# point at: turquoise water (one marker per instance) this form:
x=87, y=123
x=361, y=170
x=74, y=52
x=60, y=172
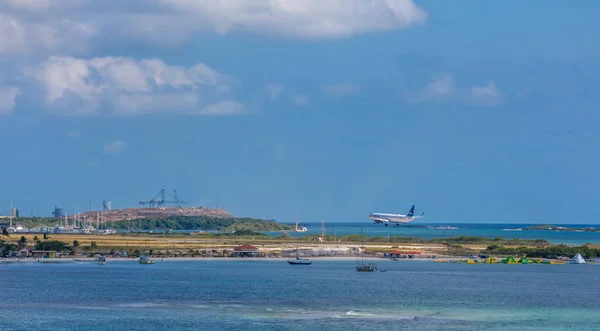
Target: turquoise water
x=423, y=230
x=272, y=295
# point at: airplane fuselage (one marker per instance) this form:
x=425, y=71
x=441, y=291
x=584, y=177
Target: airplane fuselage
x=386, y=219
x=391, y=218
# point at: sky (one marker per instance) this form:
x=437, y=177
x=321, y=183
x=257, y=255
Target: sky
x=304, y=109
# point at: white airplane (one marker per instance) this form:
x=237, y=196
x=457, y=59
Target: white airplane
x=395, y=218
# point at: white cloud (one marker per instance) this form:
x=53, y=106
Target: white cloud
x=7, y=99
x=442, y=89
x=36, y=5
x=274, y=90
x=340, y=89
x=224, y=108
x=77, y=85
x=116, y=147
x=73, y=24
x=298, y=18
x=301, y=100
x=487, y=94
x=129, y=86
x=22, y=34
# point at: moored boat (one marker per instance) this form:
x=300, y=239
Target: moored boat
x=362, y=267
x=145, y=259
x=371, y=267
x=101, y=259
x=298, y=260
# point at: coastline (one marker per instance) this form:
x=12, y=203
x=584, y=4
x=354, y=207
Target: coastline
x=254, y=259
x=196, y=258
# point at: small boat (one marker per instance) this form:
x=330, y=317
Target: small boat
x=300, y=229
x=366, y=267
x=298, y=260
x=101, y=259
x=362, y=267
x=145, y=259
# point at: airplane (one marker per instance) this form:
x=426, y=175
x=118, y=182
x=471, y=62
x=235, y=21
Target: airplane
x=395, y=218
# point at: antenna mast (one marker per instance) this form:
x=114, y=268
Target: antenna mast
x=11, y=213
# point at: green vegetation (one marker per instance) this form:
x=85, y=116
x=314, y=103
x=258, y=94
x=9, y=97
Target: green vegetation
x=459, y=240
x=552, y=251
x=243, y=233
x=54, y=245
x=202, y=223
x=549, y=227
x=176, y=223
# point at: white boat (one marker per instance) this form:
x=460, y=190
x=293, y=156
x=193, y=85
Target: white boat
x=301, y=228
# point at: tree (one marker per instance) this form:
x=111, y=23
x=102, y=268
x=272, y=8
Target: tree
x=75, y=243
x=5, y=232
x=93, y=244
x=36, y=239
x=22, y=241
x=54, y=245
x=46, y=236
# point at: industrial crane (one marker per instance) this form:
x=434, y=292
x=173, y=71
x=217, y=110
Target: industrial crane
x=160, y=199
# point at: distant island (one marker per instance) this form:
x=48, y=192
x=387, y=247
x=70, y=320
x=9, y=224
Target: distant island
x=549, y=227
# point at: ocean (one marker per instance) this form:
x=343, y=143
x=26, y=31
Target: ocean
x=269, y=294
x=430, y=231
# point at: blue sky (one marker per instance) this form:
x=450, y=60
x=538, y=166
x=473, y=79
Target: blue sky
x=485, y=112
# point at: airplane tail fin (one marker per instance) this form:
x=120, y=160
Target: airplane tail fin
x=411, y=213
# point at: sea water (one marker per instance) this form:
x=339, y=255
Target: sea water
x=423, y=230
x=269, y=294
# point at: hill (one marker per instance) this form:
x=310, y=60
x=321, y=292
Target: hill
x=129, y=214
x=205, y=223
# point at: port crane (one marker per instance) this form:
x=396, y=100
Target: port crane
x=160, y=199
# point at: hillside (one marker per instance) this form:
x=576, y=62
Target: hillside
x=129, y=214
x=205, y=223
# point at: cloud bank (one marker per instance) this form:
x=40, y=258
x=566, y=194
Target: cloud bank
x=124, y=85
x=59, y=43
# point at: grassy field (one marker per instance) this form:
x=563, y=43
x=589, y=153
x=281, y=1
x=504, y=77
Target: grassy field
x=185, y=244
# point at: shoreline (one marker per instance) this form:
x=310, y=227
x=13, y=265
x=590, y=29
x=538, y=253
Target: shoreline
x=253, y=259
x=200, y=258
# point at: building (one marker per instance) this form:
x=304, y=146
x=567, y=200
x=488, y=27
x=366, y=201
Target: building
x=246, y=250
x=14, y=212
x=44, y=254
